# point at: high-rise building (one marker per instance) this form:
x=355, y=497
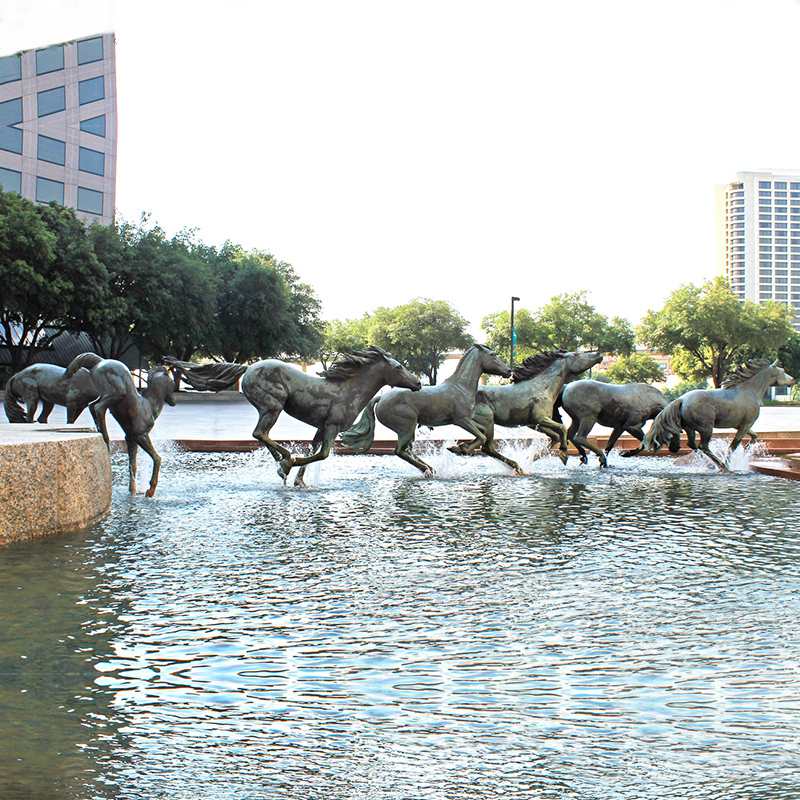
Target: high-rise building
x=762, y=237
x=58, y=125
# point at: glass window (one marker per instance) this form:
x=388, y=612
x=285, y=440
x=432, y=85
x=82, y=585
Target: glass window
x=780, y=194
x=91, y=89
x=765, y=194
x=50, y=59
x=51, y=101
x=48, y=191
x=52, y=150
x=90, y=50
x=91, y=161
x=11, y=112
x=780, y=225
x=90, y=200
x=780, y=184
x=10, y=69
x=781, y=202
x=10, y=180
x=764, y=184
x=10, y=139
x=780, y=217
x=95, y=125
x=765, y=216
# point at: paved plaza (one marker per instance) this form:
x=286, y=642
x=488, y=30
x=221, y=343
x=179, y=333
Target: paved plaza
x=228, y=415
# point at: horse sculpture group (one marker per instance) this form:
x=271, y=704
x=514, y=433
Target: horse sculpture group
x=331, y=402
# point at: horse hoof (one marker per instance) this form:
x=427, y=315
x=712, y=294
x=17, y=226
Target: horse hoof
x=300, y=483
x=150, y=492
x=428, y=473
x=563, y=456
x=519, y=472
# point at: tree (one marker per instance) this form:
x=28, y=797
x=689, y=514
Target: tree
x=419, y=334
x=708, y=330
x=567, y=320
x=304, y=337
x=50, y=278
x=342, y=336
x=635, y=368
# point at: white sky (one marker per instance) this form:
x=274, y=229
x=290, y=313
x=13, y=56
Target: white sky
x=457, y=150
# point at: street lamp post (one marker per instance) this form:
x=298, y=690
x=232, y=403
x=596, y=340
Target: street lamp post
x=513, y=331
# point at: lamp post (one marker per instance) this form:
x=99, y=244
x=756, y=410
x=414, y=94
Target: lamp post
x=513, y=331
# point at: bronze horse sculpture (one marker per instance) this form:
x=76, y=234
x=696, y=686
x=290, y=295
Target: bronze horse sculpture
x=136, y=413
x=330, y=402
x=47, y=383
x=736, y=405
x=529, y=400
x=622, y=407
x=449, y=403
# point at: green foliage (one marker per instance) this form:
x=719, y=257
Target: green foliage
x=50, y=279
x=343, y=336
x=708, y=331
x=685, y=386
x=567, y=320
x=129, y=284
x=789, y=355
x=635, y=368
x=419, y=334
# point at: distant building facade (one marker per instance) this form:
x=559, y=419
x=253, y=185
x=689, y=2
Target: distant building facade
x=58, y=125
x=761, y=247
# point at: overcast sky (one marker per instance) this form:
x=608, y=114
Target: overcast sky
x=457, y=150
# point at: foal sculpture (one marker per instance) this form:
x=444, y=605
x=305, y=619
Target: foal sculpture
x=622, y=407
x=737, y=405
x=449, y=403
x=528, y=401
x=47, y=383
x=136, y=413
x=330, y=403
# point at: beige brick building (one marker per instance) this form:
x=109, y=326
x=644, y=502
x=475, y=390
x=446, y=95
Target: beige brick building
x=58, y=125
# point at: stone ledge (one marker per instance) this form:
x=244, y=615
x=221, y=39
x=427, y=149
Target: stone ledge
x=53, y=479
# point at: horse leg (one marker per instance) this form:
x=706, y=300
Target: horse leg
x=612, y=440
x=324, y=435
x=146, y=445
x=584, y=429
x=31, y=403
x=490, y=449
x=47, y=407
x=266, y=420
x=753, y=437
x=573, y=429
x=74, y=410
x=469, y=425
x=690, y=438
x=403, y=449
x=546, y=424
x=133, y=449
x=98, y=410
x=705, y=439
x=637, y=433
x=675, y=443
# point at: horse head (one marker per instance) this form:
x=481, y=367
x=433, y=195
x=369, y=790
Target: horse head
x=395, y=374
x=160, y=384
x=780, y=377
x=581, y=361
x=491, y=363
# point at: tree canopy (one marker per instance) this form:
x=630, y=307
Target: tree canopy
x=708, y=330
x=567, y=320
x=635, y=368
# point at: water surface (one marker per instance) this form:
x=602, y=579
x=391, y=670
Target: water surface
x=576, y=633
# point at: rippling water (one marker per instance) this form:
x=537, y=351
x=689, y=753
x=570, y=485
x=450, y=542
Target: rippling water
x=583, y=634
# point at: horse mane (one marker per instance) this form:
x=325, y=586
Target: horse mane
x=352, y=363
x=753, y=366
x=535, y=365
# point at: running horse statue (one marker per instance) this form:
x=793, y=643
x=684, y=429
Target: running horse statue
x=736, y=405
x=330, y=402
x=47, y=383
x=529, y=400
x=136, y=413
x=450, y=403
x=621, y=407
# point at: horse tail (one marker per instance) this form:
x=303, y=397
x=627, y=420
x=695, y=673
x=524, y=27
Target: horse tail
x=207, y=377
x=361, y=435
x=558, y=402
x=666, y=425
x=84, y=360
x=13, y=407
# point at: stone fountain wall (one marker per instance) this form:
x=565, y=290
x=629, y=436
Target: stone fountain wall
x=53, y=479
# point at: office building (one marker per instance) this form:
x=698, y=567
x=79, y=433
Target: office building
x=762, y=237
x=58, y=125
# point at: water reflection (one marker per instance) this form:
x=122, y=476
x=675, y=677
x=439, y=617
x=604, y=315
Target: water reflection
x=572, y=634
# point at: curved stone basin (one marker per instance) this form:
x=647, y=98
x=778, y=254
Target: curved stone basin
x=53, y=479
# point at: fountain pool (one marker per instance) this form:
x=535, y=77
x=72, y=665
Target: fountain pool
x=576, y=633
